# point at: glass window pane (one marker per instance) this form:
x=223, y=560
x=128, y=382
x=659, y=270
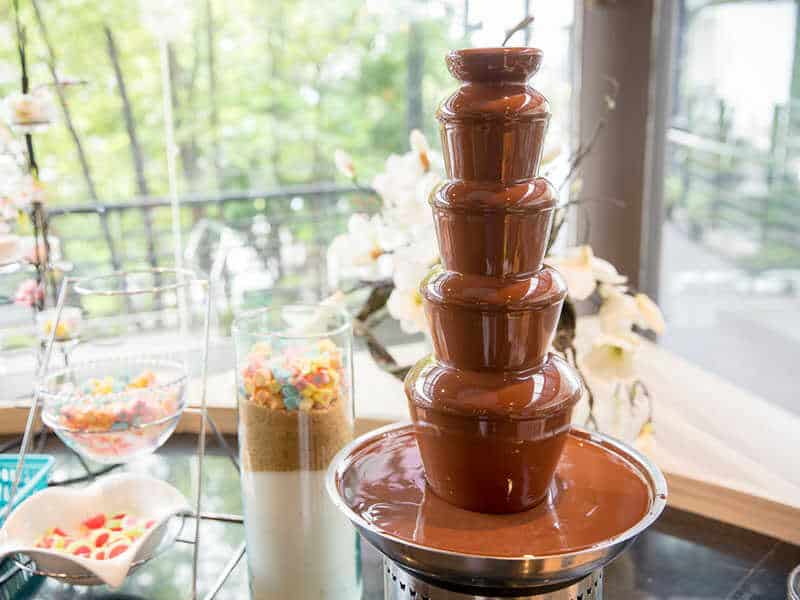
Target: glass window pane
x=261, y=95
x=731, y=240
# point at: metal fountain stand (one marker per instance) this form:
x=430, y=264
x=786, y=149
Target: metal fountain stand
x=185, y=278
x=414, y=571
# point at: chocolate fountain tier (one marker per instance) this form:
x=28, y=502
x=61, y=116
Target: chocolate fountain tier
x=492, y=229
x=485, y=323
x=491, y=440
x=494, y=395
x=493, y=127
x=603, y=495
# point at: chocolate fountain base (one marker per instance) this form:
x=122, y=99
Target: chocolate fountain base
x=402, y=585
x=604, y=494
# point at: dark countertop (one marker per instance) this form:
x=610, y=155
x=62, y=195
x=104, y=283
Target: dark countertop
x=682, y=556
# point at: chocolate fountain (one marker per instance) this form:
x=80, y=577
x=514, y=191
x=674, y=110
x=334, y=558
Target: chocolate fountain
x=490, y=493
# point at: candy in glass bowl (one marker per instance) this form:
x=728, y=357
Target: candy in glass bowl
x=114, y=410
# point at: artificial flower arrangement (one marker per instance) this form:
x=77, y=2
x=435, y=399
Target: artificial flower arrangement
x=389, y=253
x=22, y=195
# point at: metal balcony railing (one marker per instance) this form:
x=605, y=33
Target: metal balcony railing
x=287, y=230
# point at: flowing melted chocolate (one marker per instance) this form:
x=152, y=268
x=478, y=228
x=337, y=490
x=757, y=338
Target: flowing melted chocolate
x=485, y=323
x=491, y=439
x=492, y=307
x=595, y=495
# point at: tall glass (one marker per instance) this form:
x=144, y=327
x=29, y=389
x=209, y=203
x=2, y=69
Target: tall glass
x=295, y=399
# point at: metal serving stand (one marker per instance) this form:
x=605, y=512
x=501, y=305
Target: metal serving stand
x=185, y=278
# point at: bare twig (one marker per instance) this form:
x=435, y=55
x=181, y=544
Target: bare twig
x=377, y=299
x=378, y=351
x=561, y=216
x=23, y=63
x=62, y=82
x=127, y=113
x=51, y=65
x=583, y=149
x=38, y=220
x=518, y=27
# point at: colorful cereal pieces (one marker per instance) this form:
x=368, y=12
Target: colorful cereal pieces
x=102, y=537
x=295, y=378
x=100, y=554
x=79, y=548
x=115, y=417
x=55, y=538
x=95, y=522
x=117, y=549
x=146, y=379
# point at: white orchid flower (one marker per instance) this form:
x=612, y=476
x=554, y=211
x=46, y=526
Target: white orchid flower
x=29, y=112
x=405, y=302
x=612, y=358
x=11, y=182
x=419, y=145
x=620, y=312
x=344, y=163
x=583, y=270
x=364, y=250
x=30, y=190
x=650, y=314
x=404, y=187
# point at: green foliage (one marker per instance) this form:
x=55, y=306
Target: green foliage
x=293, y=83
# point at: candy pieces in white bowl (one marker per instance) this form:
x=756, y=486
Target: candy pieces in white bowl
x=154, y=502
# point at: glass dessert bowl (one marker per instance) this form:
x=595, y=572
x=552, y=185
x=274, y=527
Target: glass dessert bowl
x=114, y=410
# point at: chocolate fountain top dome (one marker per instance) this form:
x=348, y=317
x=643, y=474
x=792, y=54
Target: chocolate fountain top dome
x=494, y=64
x=494, y=85
x=493, y=126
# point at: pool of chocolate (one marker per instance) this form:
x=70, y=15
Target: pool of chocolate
x=597, y=494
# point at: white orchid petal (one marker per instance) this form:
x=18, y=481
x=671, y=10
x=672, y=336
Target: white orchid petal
x=651, y=316
x=417, y=141
x=344, y=163
x=612, y=359
x=580, y=282
x=605, y=272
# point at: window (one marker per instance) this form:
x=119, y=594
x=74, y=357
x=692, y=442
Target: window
x=730, y=260
x=261, y=96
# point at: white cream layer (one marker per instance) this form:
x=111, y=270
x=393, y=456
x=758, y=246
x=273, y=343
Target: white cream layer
x=299, y=546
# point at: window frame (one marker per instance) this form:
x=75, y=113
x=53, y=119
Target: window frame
x=623, y=177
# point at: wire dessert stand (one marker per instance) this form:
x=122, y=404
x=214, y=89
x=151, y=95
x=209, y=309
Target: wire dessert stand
x=189, y=300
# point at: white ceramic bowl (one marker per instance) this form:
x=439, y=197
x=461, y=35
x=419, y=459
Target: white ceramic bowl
x=68, y=507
